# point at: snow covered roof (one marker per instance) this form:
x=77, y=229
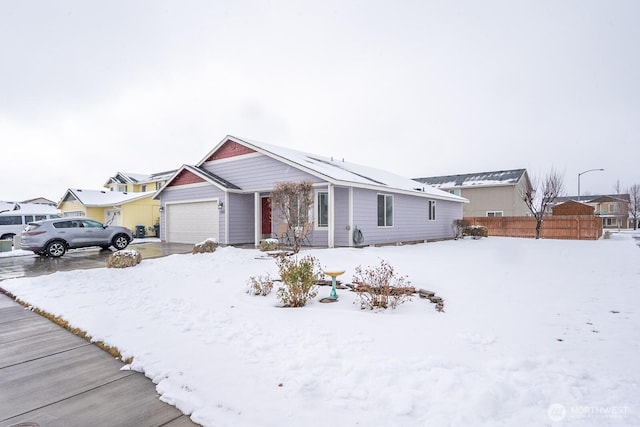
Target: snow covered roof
x=136, y=178
x=104, y=197
x=27, y=208
x=597, y=198
x=212, y=177
x=504, y=177
x=340, y=172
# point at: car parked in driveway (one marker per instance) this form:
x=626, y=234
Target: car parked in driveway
x=54, y=237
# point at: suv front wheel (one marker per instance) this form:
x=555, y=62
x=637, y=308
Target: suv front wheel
x=56, y=249
x=120, y=241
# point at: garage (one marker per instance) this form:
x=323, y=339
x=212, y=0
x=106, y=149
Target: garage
x=192, y=222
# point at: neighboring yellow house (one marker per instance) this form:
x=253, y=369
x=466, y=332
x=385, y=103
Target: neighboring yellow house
x=125, y=182
x=131, y=210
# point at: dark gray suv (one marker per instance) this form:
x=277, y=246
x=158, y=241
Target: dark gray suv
x=54, y=236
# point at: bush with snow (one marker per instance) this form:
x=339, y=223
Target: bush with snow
x=381, y=287
x=124, y=258
x=299, y=279
x=459, y=227
x=269, y=245
x=260, y=285
x=476, y=231
x=206, y=246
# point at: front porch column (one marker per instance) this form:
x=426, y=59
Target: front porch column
x=351, y=226
x=257, y=214
x=332, y=226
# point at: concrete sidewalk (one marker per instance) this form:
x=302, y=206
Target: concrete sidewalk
x=50, y=377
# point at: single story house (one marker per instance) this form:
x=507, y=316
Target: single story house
x=495, y=193
x=226, y=195
x=131, y=210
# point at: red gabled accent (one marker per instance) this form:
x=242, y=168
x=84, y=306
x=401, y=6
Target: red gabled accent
x=229, y=149
x=185, y=177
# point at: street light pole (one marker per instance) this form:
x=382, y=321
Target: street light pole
x=582, y=173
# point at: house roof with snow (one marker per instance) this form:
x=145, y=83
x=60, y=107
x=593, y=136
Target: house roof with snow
x=597, y=198
x=99, y=198
x=479, y=179
x=336, y=171
x=27, y=208
x=137, y=178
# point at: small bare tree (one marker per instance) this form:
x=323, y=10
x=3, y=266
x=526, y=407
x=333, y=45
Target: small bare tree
x=617, y=187
x=540, y=195
x=634, y=204
x=293, y=201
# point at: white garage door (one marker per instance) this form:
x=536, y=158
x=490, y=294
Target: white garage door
x=192, y=222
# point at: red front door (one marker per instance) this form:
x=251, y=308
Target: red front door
x=266, y=216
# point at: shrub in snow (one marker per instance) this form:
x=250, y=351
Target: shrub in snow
x=476, y=231
x=299, y=279
x=124, y=258
x=207, y=246
x=381, y=287
x=260, y=285
x=269, y=245
x=459, y=225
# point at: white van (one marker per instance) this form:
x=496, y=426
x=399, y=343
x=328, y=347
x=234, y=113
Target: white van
x=14, y=217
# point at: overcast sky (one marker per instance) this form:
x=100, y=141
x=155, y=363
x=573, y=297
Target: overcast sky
x=420, y=88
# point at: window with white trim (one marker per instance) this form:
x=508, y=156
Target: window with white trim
x=122, y=188
x=385, y=210
x=322, y=209
x=432, y=210
x=495, y=213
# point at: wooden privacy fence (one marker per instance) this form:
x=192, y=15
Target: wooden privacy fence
x=573, y=227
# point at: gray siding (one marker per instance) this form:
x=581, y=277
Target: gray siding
x=411, y=221
x=189, y=193
x=257, y=172
x=410, y=218
x=241, y=218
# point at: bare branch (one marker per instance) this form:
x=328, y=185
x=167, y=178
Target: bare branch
x=540, y=195
x=293, y=201
x=634, y=204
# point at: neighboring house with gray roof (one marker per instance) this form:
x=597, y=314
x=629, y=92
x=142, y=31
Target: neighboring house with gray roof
x=613, y=209
x=127, y=182
x=226, y=195
x=497, y=193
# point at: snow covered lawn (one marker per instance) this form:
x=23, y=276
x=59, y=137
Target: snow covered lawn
x=534, y=333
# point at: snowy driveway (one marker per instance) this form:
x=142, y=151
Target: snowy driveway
x=30, y=265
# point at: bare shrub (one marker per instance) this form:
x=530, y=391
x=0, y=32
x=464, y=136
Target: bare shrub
x=299, y=278
x=123, y=259
x=381, y=287
x=292, y=202
x=207, y=246
x=458, y=228
x=260, y=285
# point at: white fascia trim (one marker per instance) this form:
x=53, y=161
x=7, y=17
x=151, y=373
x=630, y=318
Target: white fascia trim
x=230, y=159
x=181, y=202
